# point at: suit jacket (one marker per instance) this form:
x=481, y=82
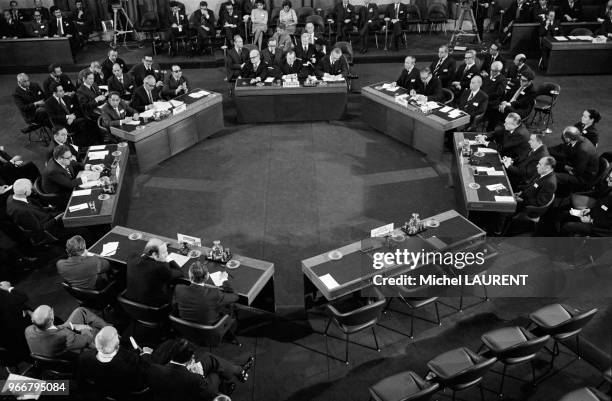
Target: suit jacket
x=402, y=15
x=148, y=281
x=235, y=60
x=223, y=14
x=305, y=56
x=139, y=72
x=181, y=21
x=551, y=30
x=475, y=106
x=575, y=11
x=99, y=78
x=338, y=67
x=107, y=67
x=495, y=90
x=57, y=113
x=173, y=382
x=56, y=180
x=445, y=71
x=249, y=70
x=583, y=158
x=125, y=89
x=589, y=133
x=88, y=272
x=275, y=59
x=488, y=60
x=606, y=27
x=30, y=215
x=527, y=168
x=539, y=190
x=464, y=75
x=11, y=29
x=198, y=19
x=87, y=99
x=538, y=14
x=297, y=68
x=50, y=82
x=19, y=15
x=410, y=80
x=368, y=13
x=524, y=14
x=56, y=342
x=12, y=305
x=339, y=13
x=35, y=29
x=204, y=304
x=140, y=99
x=432, y=89
x=522, y=104
x=75, y=152
x=110, y=118
x=515, y=145
x=44, y=12
x=601, y=213
x=514, y=75
x=25, y=98
x=170, y=85
x=66, y=23
x=123, y=374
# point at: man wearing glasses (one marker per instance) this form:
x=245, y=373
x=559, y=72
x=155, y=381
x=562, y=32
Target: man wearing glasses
x=175, y=84
x=254, y=69
x=144, y=69
x=491, y=57
x=146, y=95
x=520, y=100
x=465, y=73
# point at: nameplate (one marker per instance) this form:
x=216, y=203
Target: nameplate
x=179, y=109
x=381, y=231
x=600, y=39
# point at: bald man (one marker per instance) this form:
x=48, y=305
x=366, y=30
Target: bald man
x=146, y=95
x=254, y=69
x=149, y=274
x=410, y=78
x=30, y=100
x=76, y=334
x=474, y=101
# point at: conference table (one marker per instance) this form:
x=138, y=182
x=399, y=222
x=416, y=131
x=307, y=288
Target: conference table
x=475, y=176
x=353, y=271
x=199, y=116
x=94, y=206
x=526, y=36
x=35, y=52
x=569, y=55
x=387, y=111
x=248, y=280
x=270, y=102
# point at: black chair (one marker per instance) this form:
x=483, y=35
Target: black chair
x=149, y=316
x=602, y=173
x=413, y=304
x=405, y=386
x=355, y=320
x=460, y=369
x=317, y=21
x=42, y=133
x=150, y=26
x=530, y=215
x=546, y=98
x=50, y=199
x=202, y=334
x=414, y=18
x=530, y=109
x=303, y=13
x=585, y=394
x=94, y=299
x=513, y=346
x=449, y=96
x=38, y=238
x=59, y=368
x=437, y=16
x=562, y=323
x=581, y=32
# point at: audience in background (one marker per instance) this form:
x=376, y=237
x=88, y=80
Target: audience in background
x=203, y=20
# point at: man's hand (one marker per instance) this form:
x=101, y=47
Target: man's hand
x=205, y=28
x=586, y=219
x=100, y=98
x=135, y=117
x=159, y=83
x=484, y=74
x=174, y=25
x=394, y=20
x=346, y=21
x=39, y=103
x=5, y=285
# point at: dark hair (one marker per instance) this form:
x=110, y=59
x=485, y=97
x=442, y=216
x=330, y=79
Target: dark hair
x=181, y=351
x=286, y=3
x=594, y=114
x=112, y=93
x=550, y=161
x=52, y=67
x=54, y=86
x=203, y=3
x=57, y=128
x=88, y=73
x=59, y=150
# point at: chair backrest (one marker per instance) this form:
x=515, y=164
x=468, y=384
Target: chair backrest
x=436, y=11
x=414, y=12
x=537, y=211
x=51, y=198
x=366, y=314
x=524, y=350
x=149, y=20
x=602, y=172
x=581, y=31
x=304, y=13
x=56, y=366
x=97, y=299
x=532, y=103
x=448, y=96
x=585, y=393
x=317, y=21
x=274, y=15
x=200, y=333
x=470, y=375
x=575, y=324
x=149, y=315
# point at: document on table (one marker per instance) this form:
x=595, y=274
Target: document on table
x=576, y=212
x=176, y=103
x=218, y=278
x=329, y=281
x=433, y=105
x=504, y=198
x=446, y=109
x=496, y=187
x=81, y=192
x=454, y=113
x=178, y=258
x=495, y=172
x=561, y=38
x=147, y=113
x=486, y=150
x=97, y=147
x=269, y=80
x=78, y=207
x=109, y=249
x=133, y=122
x=91, y=175
x=198, y=94
x=90, y=184
x=99, y=155
x=32, y=393
x=485, y=169
x=162, y=105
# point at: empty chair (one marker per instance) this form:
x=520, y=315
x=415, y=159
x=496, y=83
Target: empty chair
x=48, y=198
x=95, y=299
x=405, y=386
x=150, y=26
x=414, y=17
x=585, y=394
x=581, y=32
x=303, y=13
x=207, y=335
x=513, y=346
x=460, y=369
x=414, y=303
x=56, y=368
x=148, y=316
x=436, y=16
x=546, y=98
x=317, y=21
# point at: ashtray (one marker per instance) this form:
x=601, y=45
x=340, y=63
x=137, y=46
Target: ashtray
x=98, y=168
x=432, y=223
x=398, y=237
x=335, y=255
x=259, y=84
x=122, y=144
x=194, y=253
x=116, y=153
x=479, y=154
x=103, y=197
x=135, y=236
x=232, y=264
x=474, y=185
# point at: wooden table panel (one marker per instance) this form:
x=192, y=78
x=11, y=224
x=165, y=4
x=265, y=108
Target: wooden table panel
x=576, y=57
x=35, y=52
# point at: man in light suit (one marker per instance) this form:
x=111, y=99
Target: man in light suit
x=473, y=101
x=116, y=112
x=175, y=84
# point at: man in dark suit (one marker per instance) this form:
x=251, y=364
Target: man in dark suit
x=304, y=50
x=517, y=68
x=84, y=22
x=410, y=77
x=62, y=111
x=271, y=55
x=109, y=62
x=465, y=73
x=443, y=67
x=579, y=165
x=294, y=66
x=30, y=100
x=179, y=24
x=525, y=169
x=145, y=95
x=518, y=12
x=10, y=28
x=90, y=97
x=53, y=341
x=511, y=140
x=571, y=10
x=431, y=87
x=254, y=69
x=14, y=318
x=519, y=100
x=13, y=168
x=203, y=20
x=150, y=275
x=57, y=77
x=116, y=112
x=175, y=84
x=549, y=28
x=595, y=219
x=492, y=56
x=540, y=11
x=494, y=85
x=539, y=190
x=38, y=27
x=473, y=101
x=121, y=83
x=344, y=17
x=44, y=11
x=82, y=269
x=231, y=21
x=201, y=301
x=223, y=12
x=96, y=69
x=61, y=137
x=398, y=14
x=144, y=69
x=333, y=64
x=62, y=27
x=237, y=57
x=368, y=22
x=60, y=175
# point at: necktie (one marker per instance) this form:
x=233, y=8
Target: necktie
x=60, y=28
x=150, y=98
x=121, y=79
x=396, y=11
x=471, y=96
x=178, y=22
x=117, y=111
x=438, y=66
x=63, y=105
x=305, y=49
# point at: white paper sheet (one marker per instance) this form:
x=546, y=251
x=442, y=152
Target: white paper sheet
x=176, y=103
x=78, y=207
x=495, y=172
x=495, y=187
x=329, y=281
x=576, y=212
x=433, y=105
x=98, y=155
x=504, y=199
x=269, y=80
x=91, y=175
x=484, y=169
x=162, y=105
x=147, y=113
x=81, y=192
x=103, y=87
x=218, y=278
x=198, y=94
x=446, y=109
x=97, y=147
x=561, y=38
x=178, y=258
x=90, y=184
x=133, y=122
x=109, y=249
x=486, y=150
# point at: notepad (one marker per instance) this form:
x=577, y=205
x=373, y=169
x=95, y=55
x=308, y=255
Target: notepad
x=81, y=192
x=446, y=109
x=486, y=150
x=178, y=258
x=329, y=281
x=561, y=38
x=269, y=80
x=504, y=199
x=496, y=187
x=576, y=212
x=218, y=278
x=162, y=105
x=109, y=249
x=97, y=147
x=100, y=155
x=198, y=94
x=495, y=172
x=78, y=207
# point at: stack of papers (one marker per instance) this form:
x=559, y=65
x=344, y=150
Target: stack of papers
x=198, y=94
x=496, y=187
x=486, y=150
x=98, y=155
x=109, y=249
x=81, y=192
x=91, y=175
x=78, y=207
x=176, y=103
x=162, y=105
x=454, y=113
x=178, y=258
x=446, y=109
x=329, y=281
x=433, y=105
x=218, y=278
x=390, y=87
x=504, y=198
x=147, y=113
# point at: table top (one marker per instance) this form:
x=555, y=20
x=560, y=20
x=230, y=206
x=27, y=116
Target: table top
x=354, y=271
x=480, y=197
x=105, y=210
x=135, y=133
x=572, y=43
x=436, y=118
x=245, y=88
x=248, y=279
